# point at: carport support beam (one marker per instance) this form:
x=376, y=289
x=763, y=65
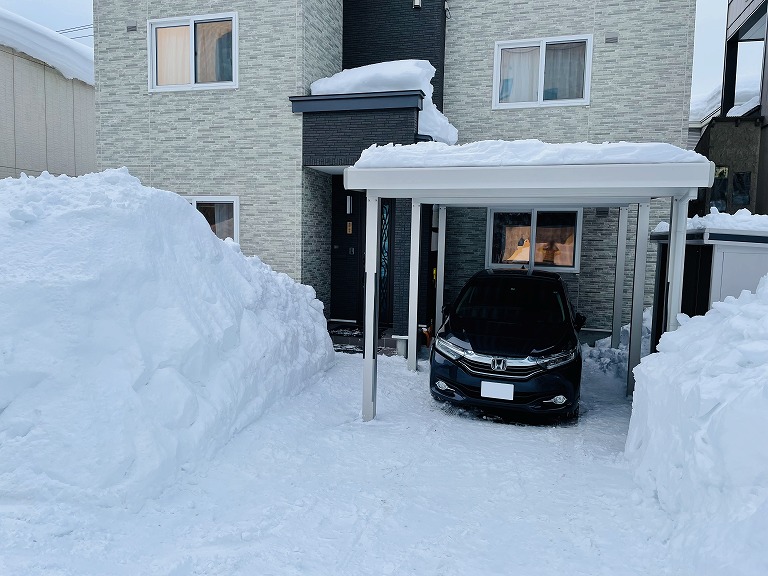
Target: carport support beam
x=413, y=286
x=440, y=287
x=372, y=264
x=618, y=284
x=676, y=260
x=638, y=292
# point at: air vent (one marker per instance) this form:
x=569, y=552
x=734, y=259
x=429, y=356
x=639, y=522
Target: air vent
x=611, y=38
x=131, y=27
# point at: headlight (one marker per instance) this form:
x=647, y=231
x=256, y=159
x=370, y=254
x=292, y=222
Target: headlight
x=555, y=360
x=452, y=351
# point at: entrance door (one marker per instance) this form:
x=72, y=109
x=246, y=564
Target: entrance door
x=347, y=237
x=347, y=256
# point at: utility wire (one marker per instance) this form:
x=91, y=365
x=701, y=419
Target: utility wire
x=75, y=28
x=76, y=37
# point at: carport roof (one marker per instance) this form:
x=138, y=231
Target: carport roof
x=529, y=172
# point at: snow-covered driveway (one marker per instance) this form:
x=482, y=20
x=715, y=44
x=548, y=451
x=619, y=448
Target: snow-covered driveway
x=423, y=489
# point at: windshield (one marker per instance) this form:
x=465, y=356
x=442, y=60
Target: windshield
x=513, y=301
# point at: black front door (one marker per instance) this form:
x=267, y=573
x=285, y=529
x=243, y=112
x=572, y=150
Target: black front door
x=347, y=256
x=347, y=241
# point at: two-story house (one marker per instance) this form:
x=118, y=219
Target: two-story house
x=192, y=96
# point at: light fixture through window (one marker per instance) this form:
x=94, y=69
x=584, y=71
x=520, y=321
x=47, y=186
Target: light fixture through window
x=417, y=3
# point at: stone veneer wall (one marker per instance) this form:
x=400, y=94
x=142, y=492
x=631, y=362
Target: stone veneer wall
x=640, y=91
x=241, y=142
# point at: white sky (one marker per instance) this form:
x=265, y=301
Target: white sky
x=708, y=49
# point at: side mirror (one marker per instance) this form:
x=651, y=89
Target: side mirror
x=578, y=321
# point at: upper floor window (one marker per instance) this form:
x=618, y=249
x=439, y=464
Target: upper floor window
x=546, y=72
x=193, y=53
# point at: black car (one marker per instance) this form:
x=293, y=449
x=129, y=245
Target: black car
x=509, y=343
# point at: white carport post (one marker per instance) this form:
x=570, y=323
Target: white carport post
x=638, y=292
x=618, y=284
x=676, y=259
x=440, y=281
x=413, y=286
x=372, y=264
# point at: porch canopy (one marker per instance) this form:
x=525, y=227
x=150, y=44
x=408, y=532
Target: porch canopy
x=525, y=173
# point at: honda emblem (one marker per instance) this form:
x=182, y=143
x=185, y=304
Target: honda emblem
x=499, y=364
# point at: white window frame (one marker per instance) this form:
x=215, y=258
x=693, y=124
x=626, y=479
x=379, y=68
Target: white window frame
x=533, y=212
x=542, y=44
x=235, y=200
x=190, y=21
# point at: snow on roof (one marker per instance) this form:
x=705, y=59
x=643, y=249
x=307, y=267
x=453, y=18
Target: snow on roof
x=72, y=59
x=715, y=220
x=706, y=105
x=390, y=76
x=742, y=109
x=521, y=153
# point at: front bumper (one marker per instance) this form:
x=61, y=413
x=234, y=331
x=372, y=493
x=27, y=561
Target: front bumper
x=530, y=395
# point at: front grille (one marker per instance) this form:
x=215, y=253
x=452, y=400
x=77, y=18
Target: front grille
x=481, y=366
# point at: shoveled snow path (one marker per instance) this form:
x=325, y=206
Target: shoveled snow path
x=423, y=489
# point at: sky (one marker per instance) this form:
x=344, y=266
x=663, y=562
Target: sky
x=708, y=44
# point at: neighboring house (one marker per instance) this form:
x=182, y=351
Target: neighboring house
x=47, y=114
x=732, y=123
x=192, y=97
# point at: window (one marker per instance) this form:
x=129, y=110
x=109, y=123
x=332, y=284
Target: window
x=742, y=183
x=554, y=234
x=193, y=53
x=547, y=72
x=222, y=214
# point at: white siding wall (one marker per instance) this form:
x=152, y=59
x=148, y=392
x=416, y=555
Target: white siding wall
x=46, y=121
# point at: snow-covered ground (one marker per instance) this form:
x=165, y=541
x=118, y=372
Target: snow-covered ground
x=423, y=489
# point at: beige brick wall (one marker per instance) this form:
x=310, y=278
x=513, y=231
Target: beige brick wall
x=243, y=142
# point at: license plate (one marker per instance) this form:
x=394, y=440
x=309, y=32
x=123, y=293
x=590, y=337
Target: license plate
x=497, y=390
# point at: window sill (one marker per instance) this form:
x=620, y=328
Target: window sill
x=548, y=104
x=195, y=87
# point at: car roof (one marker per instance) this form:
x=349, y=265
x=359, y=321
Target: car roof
x=517, y=273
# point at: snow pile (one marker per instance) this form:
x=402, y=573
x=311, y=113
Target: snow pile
x=742, y=109
x=392, y=76
x=698, y=429
x=521, y=153
x=706, y=104
x=614, y=361
x=71, y=58
x=134, y=342
x=742, y=220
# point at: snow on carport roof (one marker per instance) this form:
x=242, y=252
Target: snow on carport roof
x=72, y=59
x=495, y=172
x=522, y=153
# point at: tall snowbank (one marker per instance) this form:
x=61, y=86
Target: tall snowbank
x=72, y=59
x=391, y=76
x=697, y=434
x=134, y=342
x=521, y=153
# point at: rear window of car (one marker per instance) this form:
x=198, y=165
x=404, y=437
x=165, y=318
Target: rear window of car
x=512, y=300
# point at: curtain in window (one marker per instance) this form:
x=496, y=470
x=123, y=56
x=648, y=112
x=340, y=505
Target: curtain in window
x=564, y=68
x=519, y=76
x=225, y=220
x=213, y=51
x=172, y=54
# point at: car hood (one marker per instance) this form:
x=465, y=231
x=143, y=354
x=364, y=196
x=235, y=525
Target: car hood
x=505, y=339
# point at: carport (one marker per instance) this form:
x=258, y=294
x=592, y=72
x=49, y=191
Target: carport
x=566, y=177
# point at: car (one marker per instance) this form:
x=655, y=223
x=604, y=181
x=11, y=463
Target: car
x=510, y=344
